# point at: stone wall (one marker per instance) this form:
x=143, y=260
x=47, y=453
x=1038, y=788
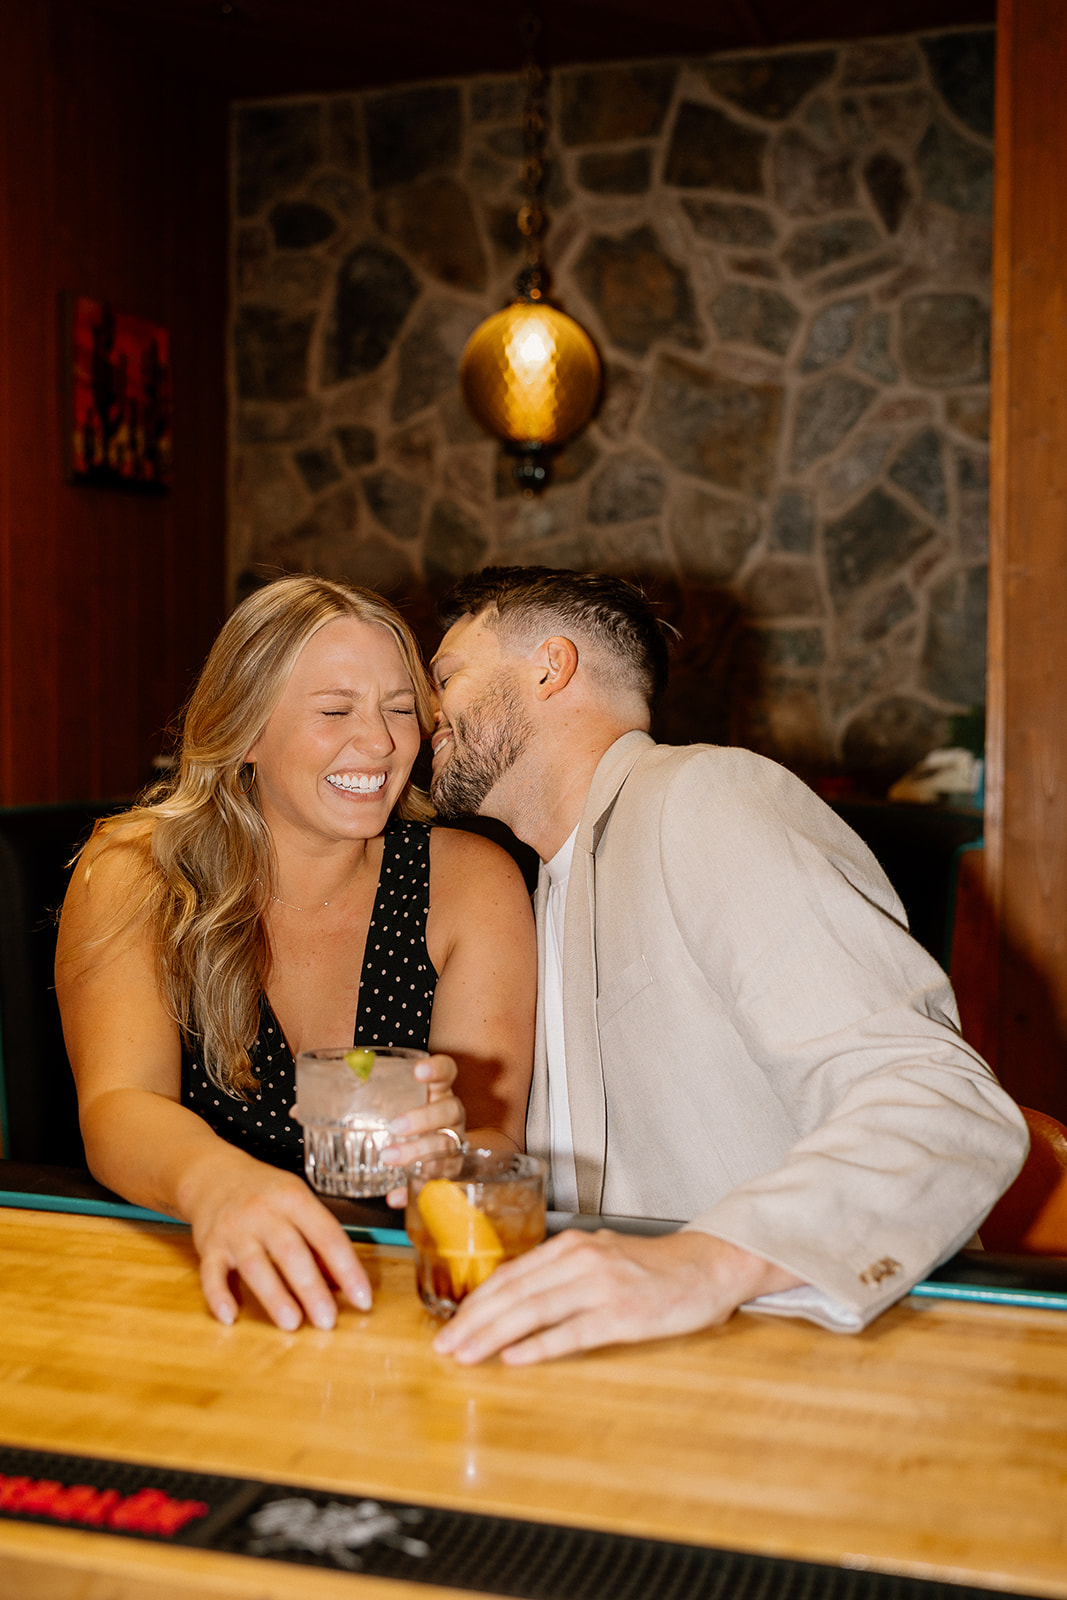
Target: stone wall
x=784, y=259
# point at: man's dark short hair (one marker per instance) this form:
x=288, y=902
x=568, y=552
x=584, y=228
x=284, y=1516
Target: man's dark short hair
x=607, y=611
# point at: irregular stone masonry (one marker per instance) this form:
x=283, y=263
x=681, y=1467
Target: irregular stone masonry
x=785, y=261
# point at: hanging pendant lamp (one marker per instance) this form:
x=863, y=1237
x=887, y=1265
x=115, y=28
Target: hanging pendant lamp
x=530, y=374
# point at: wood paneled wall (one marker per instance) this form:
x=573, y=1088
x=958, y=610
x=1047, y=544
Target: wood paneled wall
x=1026, y=821
x=113, y=183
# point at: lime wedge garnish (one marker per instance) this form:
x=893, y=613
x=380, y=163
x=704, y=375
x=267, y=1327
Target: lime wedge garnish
x=361, y=1062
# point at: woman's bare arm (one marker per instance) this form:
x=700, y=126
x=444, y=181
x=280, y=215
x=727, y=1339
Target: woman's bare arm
x=480, y=935
x=247, y=1218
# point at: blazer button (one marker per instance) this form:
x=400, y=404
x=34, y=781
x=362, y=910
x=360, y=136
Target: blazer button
x=885, y=1268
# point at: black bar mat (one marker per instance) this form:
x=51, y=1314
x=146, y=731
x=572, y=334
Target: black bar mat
x=422, y=1544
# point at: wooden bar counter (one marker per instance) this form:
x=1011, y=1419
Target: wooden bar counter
x=934, y=1444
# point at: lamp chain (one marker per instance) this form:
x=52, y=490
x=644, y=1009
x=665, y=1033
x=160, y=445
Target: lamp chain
x=530, y=374
x=531, y=215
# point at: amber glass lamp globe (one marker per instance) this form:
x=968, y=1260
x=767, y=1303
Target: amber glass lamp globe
x=530, y=374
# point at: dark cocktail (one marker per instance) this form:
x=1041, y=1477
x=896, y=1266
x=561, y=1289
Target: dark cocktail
x=468, y=1214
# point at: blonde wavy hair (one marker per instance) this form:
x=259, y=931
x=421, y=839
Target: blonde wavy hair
x=209, y=856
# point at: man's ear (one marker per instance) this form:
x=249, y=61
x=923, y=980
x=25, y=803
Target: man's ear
x=557, y=662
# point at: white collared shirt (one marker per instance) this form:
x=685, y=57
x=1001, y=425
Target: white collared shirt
x=561, y=1140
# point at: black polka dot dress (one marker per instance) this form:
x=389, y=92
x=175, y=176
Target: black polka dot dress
x=396, y=990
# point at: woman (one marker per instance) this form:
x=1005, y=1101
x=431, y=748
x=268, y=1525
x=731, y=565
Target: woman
x=221, y=926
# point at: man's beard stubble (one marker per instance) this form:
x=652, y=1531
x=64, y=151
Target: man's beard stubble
x=487, y=742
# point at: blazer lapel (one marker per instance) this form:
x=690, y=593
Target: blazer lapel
x=585, y=1076
x=538, y=1126
x=585, y=1073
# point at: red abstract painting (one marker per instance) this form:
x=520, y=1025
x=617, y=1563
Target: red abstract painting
x=121, y=429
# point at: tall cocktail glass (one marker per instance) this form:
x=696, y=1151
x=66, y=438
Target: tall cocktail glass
x=346, y=1097
x=466, y=1214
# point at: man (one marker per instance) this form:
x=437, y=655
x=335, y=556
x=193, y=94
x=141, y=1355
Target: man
x=734, y=1027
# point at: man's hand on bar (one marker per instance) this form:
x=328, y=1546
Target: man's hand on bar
x=581, y=1290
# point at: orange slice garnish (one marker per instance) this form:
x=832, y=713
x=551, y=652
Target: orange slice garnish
x=464, y=1236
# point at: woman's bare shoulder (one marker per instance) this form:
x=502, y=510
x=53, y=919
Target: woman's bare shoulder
x=114, y=865
x=479, y=904
x=474, y=884
x=470, y=858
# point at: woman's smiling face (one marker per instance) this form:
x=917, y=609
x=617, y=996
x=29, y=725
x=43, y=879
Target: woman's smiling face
x=340, y=743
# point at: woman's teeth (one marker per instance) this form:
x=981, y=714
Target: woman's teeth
x=356, y=784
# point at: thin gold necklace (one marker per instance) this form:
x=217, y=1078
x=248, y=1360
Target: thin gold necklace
x=288, y=907
x=279, y=902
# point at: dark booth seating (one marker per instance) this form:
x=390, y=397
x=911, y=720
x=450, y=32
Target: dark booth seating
x=37, y=1089
x=918, y=848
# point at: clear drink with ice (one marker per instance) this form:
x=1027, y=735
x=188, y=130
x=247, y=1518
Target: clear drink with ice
x=346, y=1098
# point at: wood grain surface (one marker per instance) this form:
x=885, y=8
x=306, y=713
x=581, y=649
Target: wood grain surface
x=935, y=1443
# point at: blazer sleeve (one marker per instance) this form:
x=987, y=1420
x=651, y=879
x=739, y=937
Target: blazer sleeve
x=906, y=1138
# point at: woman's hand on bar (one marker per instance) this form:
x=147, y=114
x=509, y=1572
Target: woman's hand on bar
x=266, y=1227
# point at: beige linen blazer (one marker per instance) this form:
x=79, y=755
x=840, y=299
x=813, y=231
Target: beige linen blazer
x=755, y=1044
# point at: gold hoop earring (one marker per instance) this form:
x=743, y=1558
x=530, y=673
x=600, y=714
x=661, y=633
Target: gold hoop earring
x=237, y=777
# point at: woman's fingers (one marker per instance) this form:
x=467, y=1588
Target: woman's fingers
x=215, y=1282
x=275, y=1241
x=447, y=1112
x=259, y=1273
x=417, y=1134
x=333, y=1247
x=413, y=1133
x=438, y=1073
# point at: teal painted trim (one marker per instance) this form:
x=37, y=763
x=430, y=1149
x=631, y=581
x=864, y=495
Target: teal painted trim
x=85, y=1208
x=18, y=1201
x=379, y=1236
x=1036, y=1299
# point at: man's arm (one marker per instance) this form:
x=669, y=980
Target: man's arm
x=905, y=1137
x=581, y=1290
